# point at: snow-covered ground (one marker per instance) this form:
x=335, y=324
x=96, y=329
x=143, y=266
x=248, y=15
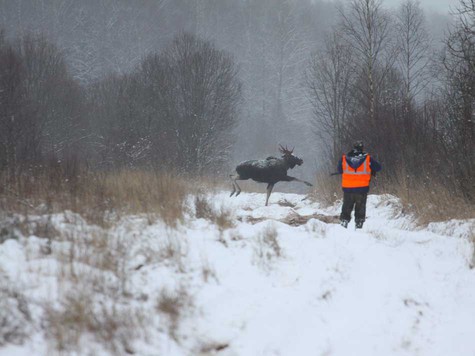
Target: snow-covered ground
x=271, y=284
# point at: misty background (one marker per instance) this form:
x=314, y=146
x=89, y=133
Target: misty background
x=197, y=86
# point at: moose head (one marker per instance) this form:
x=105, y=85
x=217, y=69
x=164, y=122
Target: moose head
x=289, y=158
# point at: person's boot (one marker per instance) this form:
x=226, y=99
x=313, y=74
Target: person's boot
x=359, y=224
x=344, y=223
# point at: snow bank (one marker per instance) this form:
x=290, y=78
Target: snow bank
x=283, y=280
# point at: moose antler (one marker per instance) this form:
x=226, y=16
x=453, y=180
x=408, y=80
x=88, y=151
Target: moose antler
x=285, y=150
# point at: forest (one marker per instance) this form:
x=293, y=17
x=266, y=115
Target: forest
x=193, y=87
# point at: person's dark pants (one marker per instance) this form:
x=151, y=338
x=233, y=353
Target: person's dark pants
x=356, y=200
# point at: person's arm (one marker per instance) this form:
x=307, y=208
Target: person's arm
x=339, y=168
x=375, y=166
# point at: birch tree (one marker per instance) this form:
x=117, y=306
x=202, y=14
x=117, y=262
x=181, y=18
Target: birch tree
x=413, y=43
x=367, y=29
x=459, y=63
x=330, y=79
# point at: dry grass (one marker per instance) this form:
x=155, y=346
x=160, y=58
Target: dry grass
x=208, y=272
x=114, y=326
x=7, y=230
x=327, y=189
x=269, y=237
x=210, y=183
x=174, y=305
x=267, y=247
x=221, y=217
x=212, y=348
x=14, y=313
x=96, y=297
x=317, y=228
x=97, y=196
x=174, y=251
x=95, y=300
x=203, y=209
x=429, y=201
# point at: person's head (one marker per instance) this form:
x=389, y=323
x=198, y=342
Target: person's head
x=358, y=146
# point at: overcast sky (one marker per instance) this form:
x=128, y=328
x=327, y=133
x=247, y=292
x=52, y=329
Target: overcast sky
x=442, y=6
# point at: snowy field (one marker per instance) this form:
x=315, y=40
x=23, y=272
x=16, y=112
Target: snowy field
x=252, y=280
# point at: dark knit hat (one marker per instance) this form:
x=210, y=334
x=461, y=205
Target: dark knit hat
x=358, y=145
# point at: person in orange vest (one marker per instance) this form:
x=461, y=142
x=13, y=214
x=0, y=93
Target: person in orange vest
x=356, y=168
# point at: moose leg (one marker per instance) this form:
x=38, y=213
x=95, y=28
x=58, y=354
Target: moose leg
x=290, y=179
x=234, y=178
x=232, y=182
x=270, y=186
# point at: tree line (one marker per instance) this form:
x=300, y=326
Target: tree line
x=175, y=111
x=378, y=79
x=107, y=89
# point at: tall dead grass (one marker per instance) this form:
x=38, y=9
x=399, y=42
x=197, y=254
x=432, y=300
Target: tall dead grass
x=428, y=200
x=327, y=189
x=221, y=217
x=95, y=295
x=113, y=325
x=173, y=305
x=15, y=314
x=267, y=248
x=97, y=195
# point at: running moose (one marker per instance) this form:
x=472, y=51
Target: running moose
x=270, y=170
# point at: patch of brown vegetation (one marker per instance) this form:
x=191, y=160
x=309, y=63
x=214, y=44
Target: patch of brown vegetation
x=97, y=195
x=212, y=347
x=286, y=203
x=327, y=189
x=113, y=326
x=173, y=305
x=295, y=219
x=267, y=248
x=425, y=197
x=221, y=217
x=251, y=220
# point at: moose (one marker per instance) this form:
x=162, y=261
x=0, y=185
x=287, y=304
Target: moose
x=270, y=170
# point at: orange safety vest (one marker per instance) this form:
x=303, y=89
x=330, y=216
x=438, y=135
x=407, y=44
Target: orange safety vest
x=358, y=178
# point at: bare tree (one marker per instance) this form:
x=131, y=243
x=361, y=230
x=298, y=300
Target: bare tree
x=330, y=80
x=413, y=43
x=459, y=63
x=206, y=92
x=17, y=131
x=56, y=99
x=41, y=106
x=178, y=109
x=366, y=27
